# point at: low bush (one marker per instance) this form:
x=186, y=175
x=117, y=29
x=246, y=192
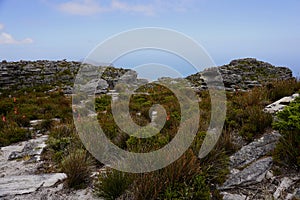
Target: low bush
x=287, y=152
x=280, y=89
x=197, y=189
x=12, y=133
x=78, y=166
x=156, y=184
x=112, y=184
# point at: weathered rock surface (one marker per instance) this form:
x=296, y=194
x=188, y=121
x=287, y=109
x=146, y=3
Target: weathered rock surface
x=254, y=150
x=252, y=174
x=31, y=149
x=228, y=196
x=280, y=104
x=244, y=74
x=17, y=176
x=17, y=75
x=241, y=74
x=24, y=184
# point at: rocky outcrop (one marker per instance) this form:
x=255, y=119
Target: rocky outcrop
x=33, y=73
x=248, y=165
x=252, y=174
x=241, y=74
x=244, y=74
x=18, y=177
x=254, y=150
x=31, y=149
x=251, y=168
x=280, y=104
x=17, y=185
x=22, y=74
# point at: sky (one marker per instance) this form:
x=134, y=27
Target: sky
x=71, y=29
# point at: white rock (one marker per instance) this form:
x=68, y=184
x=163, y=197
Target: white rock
x=285, y=184
x=16, y=185
x=228, y=196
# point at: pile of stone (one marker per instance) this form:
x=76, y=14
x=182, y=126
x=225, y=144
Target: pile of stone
x=244, y=74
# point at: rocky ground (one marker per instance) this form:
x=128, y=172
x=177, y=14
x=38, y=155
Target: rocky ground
x=241, y=74
x=20, y=177
x=252, y=174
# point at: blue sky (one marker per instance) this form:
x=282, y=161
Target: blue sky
x=44, y=29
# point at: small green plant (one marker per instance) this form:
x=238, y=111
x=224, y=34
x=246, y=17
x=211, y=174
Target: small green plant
x=287, y=152
x=196, y=189
x=112, y=184
x=156, y=184
x=46, y=125
x=78, y=166
x=279, y=89
x=12, y=133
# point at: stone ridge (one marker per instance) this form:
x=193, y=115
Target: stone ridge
x=241, y=74
x=244, y=74
x=21, y=74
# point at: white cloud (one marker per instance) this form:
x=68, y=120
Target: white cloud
x=6, y=38
x=91, y=7
x=83, y=7
x=176, y=5
x=139, y=8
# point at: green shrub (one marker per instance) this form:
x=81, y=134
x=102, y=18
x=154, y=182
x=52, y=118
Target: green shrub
x=12, y=133
x=61, y=139
x=280, y=89
x=102, y=103
x=112, y=184
x=245, y=113
x=197, y=189
x=78, y=166
x=287, y=151
x=256, y=122
x=154, y=184
x=46, y=125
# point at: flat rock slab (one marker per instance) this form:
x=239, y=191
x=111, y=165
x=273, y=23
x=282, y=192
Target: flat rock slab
x=21, y=166
x=280, y=104
x=229, y=196
x=252, y=174
x=16, y=185
x=254, y=150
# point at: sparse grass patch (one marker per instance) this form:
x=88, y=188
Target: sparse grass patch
x=78, y=166
x=112, y=184
x=287, y=152
x=12, y=133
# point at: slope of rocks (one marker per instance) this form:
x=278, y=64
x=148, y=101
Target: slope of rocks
x=18, y=75
x=20, y=177
x=241, y=74
x=244, y=74
x=251, y=175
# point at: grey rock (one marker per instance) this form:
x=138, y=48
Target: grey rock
x=16, y=185
x=95, y=86
x=285, y=184
x=297, y=194
x=68, y=90
x=244, y=74
x=280, y=104
x=229, y=196
x=30, y=149
x=254, y=150
x=252, y=174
